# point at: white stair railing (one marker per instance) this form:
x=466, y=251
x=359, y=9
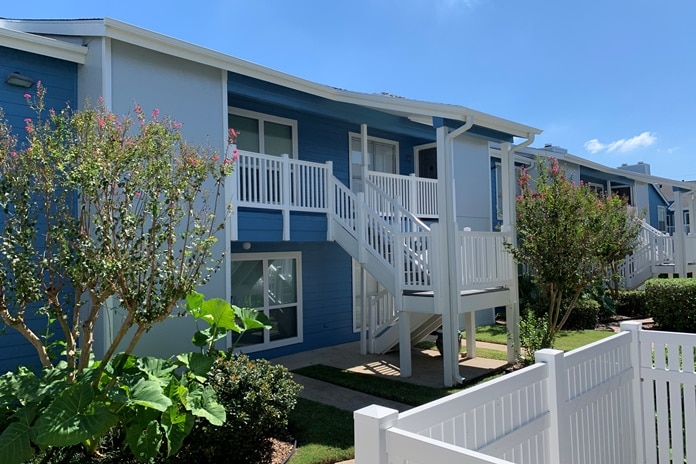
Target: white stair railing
x=483, y=260
x=415, y=194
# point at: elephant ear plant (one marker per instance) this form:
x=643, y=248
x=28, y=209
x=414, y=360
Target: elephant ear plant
x=152, y=403
x=96, y=208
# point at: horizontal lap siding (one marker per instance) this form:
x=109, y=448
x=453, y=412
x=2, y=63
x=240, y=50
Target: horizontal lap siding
x=60, y=79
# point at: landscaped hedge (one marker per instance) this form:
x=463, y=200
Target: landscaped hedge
x=258, y=397
x=631, y=303
x=584, y=316
x=672, y=303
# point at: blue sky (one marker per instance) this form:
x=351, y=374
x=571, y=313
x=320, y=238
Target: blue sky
x=612, y=81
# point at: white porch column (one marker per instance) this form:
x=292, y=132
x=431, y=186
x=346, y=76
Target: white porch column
x=447, y=291
x=509, y=190
x=365, y=154
x=679, y=245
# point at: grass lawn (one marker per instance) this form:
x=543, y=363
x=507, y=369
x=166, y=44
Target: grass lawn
x=567, y=339
x=324, y=434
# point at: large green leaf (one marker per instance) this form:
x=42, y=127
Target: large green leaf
x=218, y=313
x=73, y=417
x=202, y=402
x=198, y=364
x=194, y=303
x=177, y=425
x=252, y=319
x=15, y=446
x=144, y=443
x=156, y=368
x=149, y=393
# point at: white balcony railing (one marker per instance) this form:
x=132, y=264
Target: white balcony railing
x=384, y=220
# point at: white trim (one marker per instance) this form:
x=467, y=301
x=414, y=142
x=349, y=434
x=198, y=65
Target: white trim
x=42, y=45
x=263, y=117
x=596, y=187
x=161, y=43
x=297, y=256
x=416, y=155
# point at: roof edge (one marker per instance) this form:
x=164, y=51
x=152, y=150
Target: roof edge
x=45, y=46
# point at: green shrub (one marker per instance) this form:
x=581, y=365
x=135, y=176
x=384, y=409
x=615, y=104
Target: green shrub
x=631, y=303
x=584, y=315
x=258, y=397
x=672, y=303
x=533, y=335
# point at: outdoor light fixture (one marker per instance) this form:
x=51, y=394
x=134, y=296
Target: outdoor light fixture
x=20, y=80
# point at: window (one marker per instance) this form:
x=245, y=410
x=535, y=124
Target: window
x=687, y=223
x=598, y=189
x=662, y=218
x=261, y=133
x=269, y=282
x=382, y=156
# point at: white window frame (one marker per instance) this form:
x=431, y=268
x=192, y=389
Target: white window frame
x=357, y=135
x=416, y=155
x=662, y=218
x=596, y=187
x=297, y=256
x=262, y=117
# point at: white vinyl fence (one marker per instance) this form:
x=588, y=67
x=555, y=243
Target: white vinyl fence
x=630, y=398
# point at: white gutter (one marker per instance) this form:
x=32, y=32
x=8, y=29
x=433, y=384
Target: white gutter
x=42, y=45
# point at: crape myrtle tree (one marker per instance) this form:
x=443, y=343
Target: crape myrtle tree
x=94, y=207
x=569, y=237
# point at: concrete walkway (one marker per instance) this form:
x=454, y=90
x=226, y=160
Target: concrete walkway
x=427, y=370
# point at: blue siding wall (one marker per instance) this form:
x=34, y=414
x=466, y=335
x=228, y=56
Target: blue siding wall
x=654, y=200
x=323, y=129
x=326, y=298
x=60, y=79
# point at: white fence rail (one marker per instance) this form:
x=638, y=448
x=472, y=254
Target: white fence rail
x=628, y=399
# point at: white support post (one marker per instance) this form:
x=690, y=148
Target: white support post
x=364, y=308
x=361, y=226
x=414, y=204
x=330, y=200
x=638, y=422
x=679, y=245
x=232, y=197
x=285, y=199
x=405, y=368
x=365, y=154
x=470, y=322
x=371, y=425
x=557, y=397
x=512, y=311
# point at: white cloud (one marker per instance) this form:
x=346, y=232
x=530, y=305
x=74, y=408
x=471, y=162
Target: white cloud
x=643, y=140
x=594, y=145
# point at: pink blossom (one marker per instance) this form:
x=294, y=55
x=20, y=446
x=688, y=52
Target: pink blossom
x=155, y=113
x=137, y=194
x=138, y=109
x=235, y=155
x=101, y=122
x=216, y=157
x=177, y=125
x=27, y=96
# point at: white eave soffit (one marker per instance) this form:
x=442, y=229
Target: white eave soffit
x=39, y=45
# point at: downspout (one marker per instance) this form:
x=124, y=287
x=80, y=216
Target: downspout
x=448, y=234
x=512, y=315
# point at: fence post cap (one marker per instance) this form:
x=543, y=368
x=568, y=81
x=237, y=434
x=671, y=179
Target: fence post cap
x=375, y=411
x=630, y=326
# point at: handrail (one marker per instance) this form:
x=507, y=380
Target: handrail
x=417, y=194
x=380, y=224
